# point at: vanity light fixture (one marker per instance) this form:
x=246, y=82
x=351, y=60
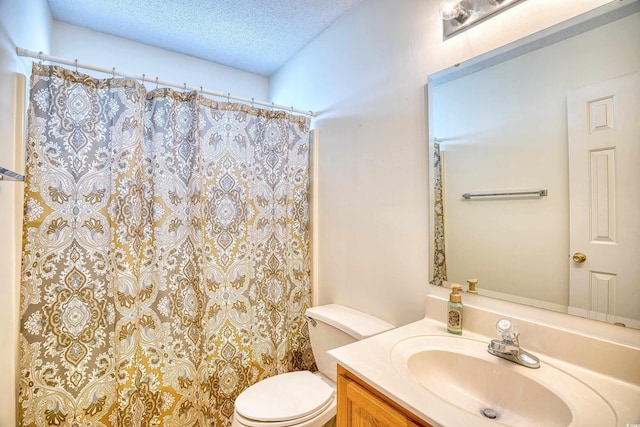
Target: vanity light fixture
x=453, y=10
x=458, y=15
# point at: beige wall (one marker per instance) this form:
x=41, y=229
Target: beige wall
x=70, y=41
x=366, y=76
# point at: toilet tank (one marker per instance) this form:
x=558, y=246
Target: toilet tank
x=332, y=326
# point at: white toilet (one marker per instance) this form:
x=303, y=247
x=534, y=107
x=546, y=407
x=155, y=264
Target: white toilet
x=306, y=399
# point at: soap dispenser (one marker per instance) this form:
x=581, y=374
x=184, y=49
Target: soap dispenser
x=454, y=317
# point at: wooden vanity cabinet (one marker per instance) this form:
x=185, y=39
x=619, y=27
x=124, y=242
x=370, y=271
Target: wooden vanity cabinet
x=360, y=405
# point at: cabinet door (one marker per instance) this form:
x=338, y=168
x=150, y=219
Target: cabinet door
x=357, y=407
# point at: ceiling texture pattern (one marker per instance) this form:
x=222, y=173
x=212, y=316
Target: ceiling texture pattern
x=258, y=36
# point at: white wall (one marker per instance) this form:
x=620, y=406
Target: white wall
x=19, y=25
x=71, y=42
x=366, y=76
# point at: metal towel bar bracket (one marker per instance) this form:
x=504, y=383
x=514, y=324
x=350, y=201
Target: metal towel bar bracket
x=541, y=193
x=7, y=175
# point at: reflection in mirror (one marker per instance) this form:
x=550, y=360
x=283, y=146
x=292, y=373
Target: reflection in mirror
x=502, y=124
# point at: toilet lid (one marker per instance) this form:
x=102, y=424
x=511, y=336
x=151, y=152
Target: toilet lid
x=284, y=397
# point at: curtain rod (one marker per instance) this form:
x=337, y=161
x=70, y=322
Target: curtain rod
x=44, y=57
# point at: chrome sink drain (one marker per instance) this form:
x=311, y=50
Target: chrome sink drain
x=489, y=413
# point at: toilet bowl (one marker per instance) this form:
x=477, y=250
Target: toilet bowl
x=303, y=398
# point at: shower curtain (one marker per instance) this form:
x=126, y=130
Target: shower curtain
x=439, y=252
x=165, y=253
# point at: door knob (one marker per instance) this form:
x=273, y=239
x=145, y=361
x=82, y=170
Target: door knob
x=579, y=257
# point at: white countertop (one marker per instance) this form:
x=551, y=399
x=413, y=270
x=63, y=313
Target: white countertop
x=370, y=359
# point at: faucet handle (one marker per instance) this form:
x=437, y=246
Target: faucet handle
x=509, y=348
x=507, y=330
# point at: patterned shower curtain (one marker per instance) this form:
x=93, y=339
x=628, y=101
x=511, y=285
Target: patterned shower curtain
x=439, y=252
x=166, y=253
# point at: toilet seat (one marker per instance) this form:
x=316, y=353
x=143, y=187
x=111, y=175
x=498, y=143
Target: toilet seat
x=284, y=400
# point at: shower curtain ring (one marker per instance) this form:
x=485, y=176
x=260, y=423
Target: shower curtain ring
x=113, y=73
x=40, y=57
x=156, y=82
x=143, y=76
x=76, y=61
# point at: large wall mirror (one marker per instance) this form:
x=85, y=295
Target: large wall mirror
x=519, y=120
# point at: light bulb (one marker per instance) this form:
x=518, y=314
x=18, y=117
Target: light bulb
x=453, y=10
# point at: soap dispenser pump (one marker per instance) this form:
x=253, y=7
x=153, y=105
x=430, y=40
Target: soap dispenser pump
x=454, y=317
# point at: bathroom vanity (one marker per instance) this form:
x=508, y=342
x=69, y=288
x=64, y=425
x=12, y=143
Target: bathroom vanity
x=359, y=404
x=419, y=375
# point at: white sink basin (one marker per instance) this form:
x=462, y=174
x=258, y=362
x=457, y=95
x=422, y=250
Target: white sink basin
x=462, y=373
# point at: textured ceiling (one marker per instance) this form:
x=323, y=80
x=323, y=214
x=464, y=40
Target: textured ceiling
x=258, y=36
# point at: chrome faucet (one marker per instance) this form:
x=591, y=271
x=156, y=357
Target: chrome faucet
x=509, y=348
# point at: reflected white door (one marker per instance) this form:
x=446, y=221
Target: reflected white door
x=604, y=188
